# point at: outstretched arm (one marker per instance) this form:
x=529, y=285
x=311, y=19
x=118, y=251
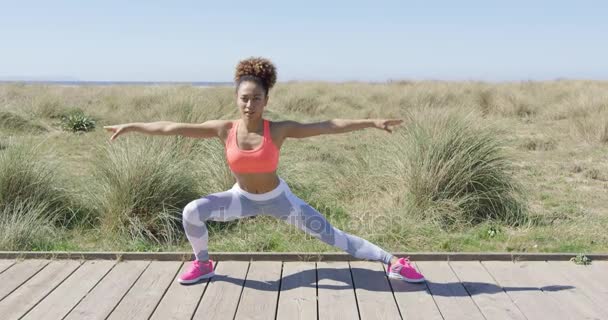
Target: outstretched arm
x=207, y=129
x=293, y=129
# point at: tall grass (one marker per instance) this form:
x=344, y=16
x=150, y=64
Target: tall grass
x=456, y=172
x=591, y=129
x=441, y=168
x=34, y=201
x=28, y=175
x=25, y=225
x=210, y=167
x=141, y=187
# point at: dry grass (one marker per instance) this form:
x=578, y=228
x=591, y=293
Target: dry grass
x=554, y=135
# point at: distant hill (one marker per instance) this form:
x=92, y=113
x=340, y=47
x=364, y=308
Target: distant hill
x=77, y=82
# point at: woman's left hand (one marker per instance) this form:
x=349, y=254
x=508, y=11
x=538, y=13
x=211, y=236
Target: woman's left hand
x=385, y=124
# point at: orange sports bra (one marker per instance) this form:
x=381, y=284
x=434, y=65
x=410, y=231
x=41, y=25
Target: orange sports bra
x=262, y=159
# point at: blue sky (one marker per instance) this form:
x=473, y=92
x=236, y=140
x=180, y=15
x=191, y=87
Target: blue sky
x=308, y=40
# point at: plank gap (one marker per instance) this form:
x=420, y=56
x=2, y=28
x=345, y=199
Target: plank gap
x=466, y=290
x=131, y=287
x=276, y=309
x=317, y=287
x=242, y=289
x=167, y=289
x=204, y=290
x=352, y=279
x=390, y=285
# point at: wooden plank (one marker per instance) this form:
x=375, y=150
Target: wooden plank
x=100, y=302
x=298, y=298
x=415, y=300
x=493, y=302
x=599, y=272
x=221, y=299
x=336, y=294
x=36, y=288
x=144, y=296
x=583, y=282
x=19, y=273
x=57, y=304
x=555, y=285
x=261, y=292
x=374, y=295
x=5, y=264
x=450, y=295
x=524, y=290
x=180, y=301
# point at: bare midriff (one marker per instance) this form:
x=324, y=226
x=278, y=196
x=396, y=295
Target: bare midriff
x=257, y=182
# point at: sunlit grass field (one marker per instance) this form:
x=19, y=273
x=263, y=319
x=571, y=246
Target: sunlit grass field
x=476, y=167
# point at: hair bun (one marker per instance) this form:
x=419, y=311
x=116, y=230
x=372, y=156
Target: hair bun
x=258, y=67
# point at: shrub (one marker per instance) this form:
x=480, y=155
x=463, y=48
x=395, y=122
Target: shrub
x=25, y=225
x=26, y=176
x=457, y=172
x=142, y=186
x=15, y=122
x=581, y=259
x=77, y=121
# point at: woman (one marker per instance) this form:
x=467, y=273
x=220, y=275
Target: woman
x=252, y=151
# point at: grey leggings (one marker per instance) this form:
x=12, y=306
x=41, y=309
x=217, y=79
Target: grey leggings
x=281, y=203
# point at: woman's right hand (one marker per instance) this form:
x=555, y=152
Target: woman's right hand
x=117, y=130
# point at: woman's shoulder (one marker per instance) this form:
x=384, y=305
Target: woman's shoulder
x=275, y=125
x=224, y=127
x=280, y=129
x=225, y=124
x=282, y=123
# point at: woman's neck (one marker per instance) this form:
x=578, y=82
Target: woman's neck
x=253, y=125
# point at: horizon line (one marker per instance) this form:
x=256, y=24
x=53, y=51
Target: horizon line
x=226, y=83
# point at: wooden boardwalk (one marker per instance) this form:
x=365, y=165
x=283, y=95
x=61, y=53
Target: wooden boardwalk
x=107, y=289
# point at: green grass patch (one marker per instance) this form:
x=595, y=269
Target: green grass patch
x=77, y=122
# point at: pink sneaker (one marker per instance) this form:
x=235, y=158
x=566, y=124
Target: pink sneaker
x=198, y=270
x=403, y=270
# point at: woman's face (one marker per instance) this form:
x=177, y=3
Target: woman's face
x=251, y=100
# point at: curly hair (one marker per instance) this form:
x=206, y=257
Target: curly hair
x=259, y=70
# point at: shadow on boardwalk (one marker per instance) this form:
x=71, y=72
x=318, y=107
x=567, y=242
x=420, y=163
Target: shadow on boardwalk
x=453, y=288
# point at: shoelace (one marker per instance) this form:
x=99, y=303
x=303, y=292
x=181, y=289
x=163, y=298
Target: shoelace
x=198, y=265
x=406, y=261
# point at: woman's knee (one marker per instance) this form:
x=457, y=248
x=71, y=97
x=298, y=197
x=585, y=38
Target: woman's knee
x=197, y=211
